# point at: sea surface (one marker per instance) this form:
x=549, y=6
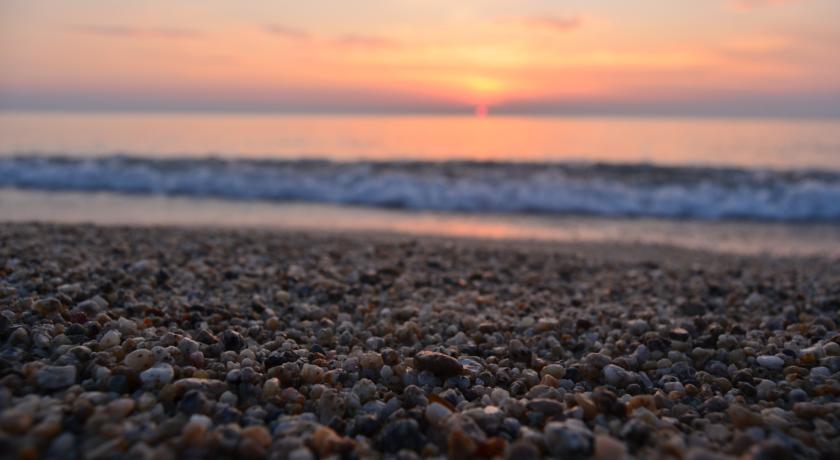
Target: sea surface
x=533, y=176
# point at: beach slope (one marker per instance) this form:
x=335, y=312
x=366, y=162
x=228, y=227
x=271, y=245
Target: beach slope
x=140, y=342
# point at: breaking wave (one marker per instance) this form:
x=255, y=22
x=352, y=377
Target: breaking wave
x=478, y=187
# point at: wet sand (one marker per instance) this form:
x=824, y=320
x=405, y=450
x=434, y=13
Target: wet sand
x=730, y=236
x=144, y=342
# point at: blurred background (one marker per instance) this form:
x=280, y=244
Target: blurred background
x=712, y=125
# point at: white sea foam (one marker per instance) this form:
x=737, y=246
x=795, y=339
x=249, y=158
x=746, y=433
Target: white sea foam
x=549, y=188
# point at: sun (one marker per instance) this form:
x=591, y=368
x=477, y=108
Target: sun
x=484, y=85
x=485, y=91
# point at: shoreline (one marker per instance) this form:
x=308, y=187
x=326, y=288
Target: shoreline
x=739, y=237
x=170, y=342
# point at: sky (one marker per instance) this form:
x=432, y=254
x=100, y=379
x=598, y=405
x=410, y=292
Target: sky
x=668, y=57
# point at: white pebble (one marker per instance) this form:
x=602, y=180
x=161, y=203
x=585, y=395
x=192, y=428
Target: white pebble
x=139, y=360
x=770, y=362
x=110, y=339
x=161, y=374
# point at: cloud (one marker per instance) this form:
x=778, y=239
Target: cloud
x=365, y=41
x=554, y=23
x=349, y=39
x=137, y=32
x=287, y=32
x=752, y=4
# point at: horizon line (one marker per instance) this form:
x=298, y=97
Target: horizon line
x=466, y=111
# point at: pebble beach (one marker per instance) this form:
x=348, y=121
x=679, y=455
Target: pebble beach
x=170, y=343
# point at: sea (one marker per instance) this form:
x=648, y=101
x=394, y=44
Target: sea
x=744, y=185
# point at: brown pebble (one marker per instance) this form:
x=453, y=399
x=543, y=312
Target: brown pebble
x=250, y=448
x=327, y=442
x=609, y=448
x=743, y=418
x=807, y=410
x=437, y=363
x=492, y=448
x=257, y=433
x=460, y=445
x=372, y=361
x=28, y=452
x=646, y=401
x=590, y=410
x=15, y=421
x=45, y=307
x=548, y=407
x=49, y=428
x=193, y=433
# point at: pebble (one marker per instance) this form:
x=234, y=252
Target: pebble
x=638, y=326
x=271, y=389
x=590, y=410
x=372, y=361
x=765, y=389
x=609, y=448
x=743, y=417
x=14, y=421
x=195, y=429
x=437, y=363
x=272, y=323
x=160, y=374
x=56, y=377
x=228, y=398
x=311, y=373
x=570, y=438
x=327, y=443
x=489, y=418
x=209, y=386
x=680, y=334
x=188, y=346
x=436, y=413
x=120, y=408
x=257, y=433
x=797, y=395
x=110, y=339
x=222, y=343
x=555, y=370
x=195, y=402
x=139, y=360
x=301, y=453
x=523, y=450
x=47, y=306
x=365, y=389
x=401, y=434
x=770, y=362
x=615, y=375
x=717, y=432
x=548, y=407
x=232, y=340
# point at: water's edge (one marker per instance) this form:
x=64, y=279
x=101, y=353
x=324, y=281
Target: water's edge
x=776, y=239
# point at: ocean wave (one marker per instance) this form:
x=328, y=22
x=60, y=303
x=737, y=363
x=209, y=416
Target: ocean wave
x=478, y=187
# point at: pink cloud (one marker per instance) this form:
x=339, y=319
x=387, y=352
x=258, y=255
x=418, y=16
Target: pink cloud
x=290, y=33
x=137, y=32
x=365, y=41
x=554, y=23
x=752, y=4
x=349, y=39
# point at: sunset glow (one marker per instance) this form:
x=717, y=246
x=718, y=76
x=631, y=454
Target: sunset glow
x=416, y=56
